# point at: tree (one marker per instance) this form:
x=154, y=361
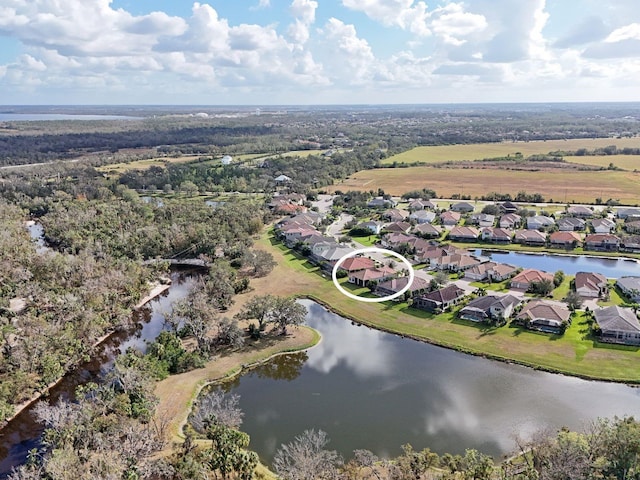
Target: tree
x=217, y=407
x=306, y=458
x=260, y=262
x=258, y=308
x=286, y=312
x=542, y=288
x=476, y=465
x=558, y=278
x=189, y=188
x=574, y=301
x=413, y=464
x=228, y=453
x=439, y=279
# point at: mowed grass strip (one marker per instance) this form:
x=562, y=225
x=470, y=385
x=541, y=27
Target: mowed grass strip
x=146, y=164
x=479, y=151
x=561, y=186
x=575, y=353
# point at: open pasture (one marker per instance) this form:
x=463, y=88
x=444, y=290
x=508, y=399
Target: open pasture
x=147, y=163
x=559, y=185
x=446, y=153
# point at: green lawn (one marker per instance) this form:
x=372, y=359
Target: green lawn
x=575, y=353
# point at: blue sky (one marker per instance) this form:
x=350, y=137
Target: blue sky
x=317, y=51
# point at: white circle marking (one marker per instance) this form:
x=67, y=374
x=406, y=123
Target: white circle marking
x=334, y=274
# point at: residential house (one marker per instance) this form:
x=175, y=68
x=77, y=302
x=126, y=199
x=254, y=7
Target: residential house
x=502, y=272
x=496, y=235
x=397, y=227
x=509, y=207
x=422, y=216
x=489, y=307
x=510, y=220
x=603, y=225
x=580, y=211
x=421, y=204
x=439, y=300
x=625, y=213
x=589, y=284
x=602, y=242
x=455, y=263
x=374, y=227
x=450, y=218
x=328, y=257
x=570, y=224
x=538, y=222
x=479, y=272
x=462, y=207
x=566, y=240
x=427, y=230
x=381, y=274
x=464, y=234
x=390, y=287
x=630, y=286
x=355, y=264
x=289, y=209
x=525, y=278
x=380, y=202
x=293, y=233
x=431, y=254
x=483, y=219
x=395, y=215
x=630, y=243
x=618, y=325
x=282, y=180
x=530, y=237
x=394, y=239
x=226, y=160
x=544, y=315
x=632, y=227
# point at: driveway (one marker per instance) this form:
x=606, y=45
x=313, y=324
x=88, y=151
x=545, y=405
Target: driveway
x=335, y=229
x=324, y=203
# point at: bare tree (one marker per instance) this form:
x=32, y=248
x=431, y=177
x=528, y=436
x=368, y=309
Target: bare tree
x=306, y=458
x=217, y=407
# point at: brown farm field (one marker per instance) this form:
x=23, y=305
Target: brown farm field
x=559, y=185
x=446, y=153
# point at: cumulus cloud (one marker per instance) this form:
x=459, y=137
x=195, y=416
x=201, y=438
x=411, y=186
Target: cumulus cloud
x=452, y=23
x=406, y=14
x=351, y=55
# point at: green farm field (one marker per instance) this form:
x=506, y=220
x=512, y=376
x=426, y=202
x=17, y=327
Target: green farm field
x=446, y=153
x=626, y=162
x=559, y=185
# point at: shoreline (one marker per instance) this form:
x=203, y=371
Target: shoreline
x=155, y=292
x=198, y=379
x=617, y=367
x=463, y=349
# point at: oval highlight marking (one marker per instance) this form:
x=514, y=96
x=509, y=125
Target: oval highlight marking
x=384, y=251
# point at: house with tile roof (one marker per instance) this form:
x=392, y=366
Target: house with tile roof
x=489, y=308
x=525, y=278
x=590, y=284
x=567, y=240
x=439, y=300
x=545, y=316
x=618, y=325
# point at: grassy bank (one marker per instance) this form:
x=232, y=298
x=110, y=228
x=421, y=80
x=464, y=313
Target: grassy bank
x=176, y=393
x=576, y=353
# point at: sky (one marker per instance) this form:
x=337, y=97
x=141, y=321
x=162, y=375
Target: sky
x=285, y=52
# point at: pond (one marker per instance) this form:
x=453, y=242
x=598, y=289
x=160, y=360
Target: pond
x=569, y=264
x=377, y=391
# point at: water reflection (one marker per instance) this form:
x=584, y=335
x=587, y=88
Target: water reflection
x=377, y=391
x=364, y=351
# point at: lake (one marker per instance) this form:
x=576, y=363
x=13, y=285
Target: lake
x=569, y=264
x=37, y=117
x=374, y=390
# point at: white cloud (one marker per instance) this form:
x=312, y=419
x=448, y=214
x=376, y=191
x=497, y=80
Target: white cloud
x=350, y=57
x=588, y=30
x=452, y=23
x=405, y=14
x=304, y=10
x=628, y=32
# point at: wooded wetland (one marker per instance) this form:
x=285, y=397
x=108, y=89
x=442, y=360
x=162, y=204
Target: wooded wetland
x=188, y=196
